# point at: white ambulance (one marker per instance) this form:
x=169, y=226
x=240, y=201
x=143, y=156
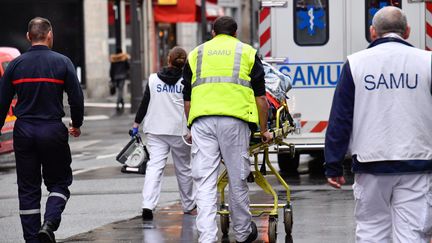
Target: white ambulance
x=309, y=40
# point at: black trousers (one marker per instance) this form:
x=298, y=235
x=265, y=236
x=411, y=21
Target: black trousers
x=41, y=144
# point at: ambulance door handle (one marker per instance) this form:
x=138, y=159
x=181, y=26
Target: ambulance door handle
x=419, y=1
x=274, y=3
x=275, y=59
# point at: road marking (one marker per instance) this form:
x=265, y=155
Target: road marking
x=96, y=118
x=80, y=171
x=77, y=156
x=89, y=118
x=104, y=105
x=106, y=156
x=79, y=145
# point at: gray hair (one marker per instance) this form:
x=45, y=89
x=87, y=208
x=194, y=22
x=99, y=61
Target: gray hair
x=390, y=20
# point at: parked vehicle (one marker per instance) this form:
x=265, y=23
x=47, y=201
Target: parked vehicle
x=7, y=54
x=309, y=41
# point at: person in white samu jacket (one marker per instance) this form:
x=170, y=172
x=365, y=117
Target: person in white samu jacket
x=381, y=113
x=165, y=127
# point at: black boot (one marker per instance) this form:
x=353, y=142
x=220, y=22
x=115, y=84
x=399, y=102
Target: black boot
x=253, y=235
x=46, y=233
x=122, y=104
x=147, y=214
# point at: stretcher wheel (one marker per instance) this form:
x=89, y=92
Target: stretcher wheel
x=288, y=218
x=224, y=221
x=272, y=229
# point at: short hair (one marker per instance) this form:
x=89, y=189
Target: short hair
x=177, y=56
x=225, y=25
x=38, y=28
x=390, y=20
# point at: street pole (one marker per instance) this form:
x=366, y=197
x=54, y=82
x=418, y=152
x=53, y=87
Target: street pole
x=254, y=23
x=117, y=25
x=203, y=21
x=136, y=74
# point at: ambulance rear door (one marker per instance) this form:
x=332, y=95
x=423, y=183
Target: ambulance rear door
x=360, y=14
x=309, y=36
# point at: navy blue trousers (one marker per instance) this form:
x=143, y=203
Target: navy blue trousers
x=41, y=144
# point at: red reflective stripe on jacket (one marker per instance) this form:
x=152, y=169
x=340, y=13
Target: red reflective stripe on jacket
x=37, y=80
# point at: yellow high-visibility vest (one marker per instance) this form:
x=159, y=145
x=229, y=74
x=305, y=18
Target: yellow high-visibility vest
x=220, y=80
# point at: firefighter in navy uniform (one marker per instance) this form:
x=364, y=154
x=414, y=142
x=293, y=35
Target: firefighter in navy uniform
x=38, y=78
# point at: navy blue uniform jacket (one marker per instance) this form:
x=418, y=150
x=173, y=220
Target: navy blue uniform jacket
x=38, y=78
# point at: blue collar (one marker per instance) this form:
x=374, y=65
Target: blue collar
x=38, y=48
x=387, y=39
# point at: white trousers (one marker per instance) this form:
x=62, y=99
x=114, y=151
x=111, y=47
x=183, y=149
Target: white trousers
x=214, y=138
x=393, y=208
x=158, y=147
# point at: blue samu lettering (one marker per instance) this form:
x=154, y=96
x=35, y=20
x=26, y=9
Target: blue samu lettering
x=169, y=88
x=391, y=81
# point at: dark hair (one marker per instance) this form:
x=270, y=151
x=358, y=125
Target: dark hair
x=38, y=28
x=225, y=25
x=177, y=57
x=119, y=50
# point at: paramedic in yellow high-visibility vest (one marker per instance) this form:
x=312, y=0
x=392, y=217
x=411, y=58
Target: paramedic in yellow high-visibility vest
x=224, y=93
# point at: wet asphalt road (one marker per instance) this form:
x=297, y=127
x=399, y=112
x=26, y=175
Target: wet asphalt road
x=319, y=216
x=105, y=203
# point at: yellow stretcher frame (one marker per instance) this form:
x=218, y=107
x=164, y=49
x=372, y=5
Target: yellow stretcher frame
x=280, y=131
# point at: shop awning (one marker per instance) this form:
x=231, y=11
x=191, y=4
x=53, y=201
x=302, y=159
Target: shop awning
x=186, y=11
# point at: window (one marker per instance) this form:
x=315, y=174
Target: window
x=311, y=22
x=372, y=6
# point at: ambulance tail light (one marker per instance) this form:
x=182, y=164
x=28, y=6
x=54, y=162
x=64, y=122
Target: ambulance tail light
x=297, y=122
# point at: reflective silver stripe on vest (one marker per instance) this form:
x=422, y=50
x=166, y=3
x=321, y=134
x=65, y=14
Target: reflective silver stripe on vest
x=56, y=194
x=222, y=80
x=199, y=61
x=237, y=60
x=29, y=211
x=235, y=78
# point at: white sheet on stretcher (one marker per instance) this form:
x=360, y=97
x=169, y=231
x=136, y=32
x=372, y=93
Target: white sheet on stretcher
x=277, y=83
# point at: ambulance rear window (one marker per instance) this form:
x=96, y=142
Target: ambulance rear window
x=311, y=22
x=372, y=6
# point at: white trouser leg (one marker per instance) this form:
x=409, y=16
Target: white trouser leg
x=393, y=208
x=412, y=208
x=181, y=158
x=158, y=151
x=205, y=163
x=372, y=212
x=233, y=137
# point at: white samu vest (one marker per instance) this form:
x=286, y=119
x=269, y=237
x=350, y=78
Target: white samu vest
x=165, y=113
x=393, y=103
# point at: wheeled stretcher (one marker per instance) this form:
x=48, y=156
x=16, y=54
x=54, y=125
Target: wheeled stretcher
x=282, y=126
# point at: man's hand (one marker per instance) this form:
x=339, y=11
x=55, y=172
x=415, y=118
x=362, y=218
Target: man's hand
x=73, y=131
x=336, y=182
x=188, y=137
x=266, y=137
x=133, y=131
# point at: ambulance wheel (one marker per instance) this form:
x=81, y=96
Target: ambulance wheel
x=272, y=229
x=288, y=219
x=288, y=164
x=224, y=221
